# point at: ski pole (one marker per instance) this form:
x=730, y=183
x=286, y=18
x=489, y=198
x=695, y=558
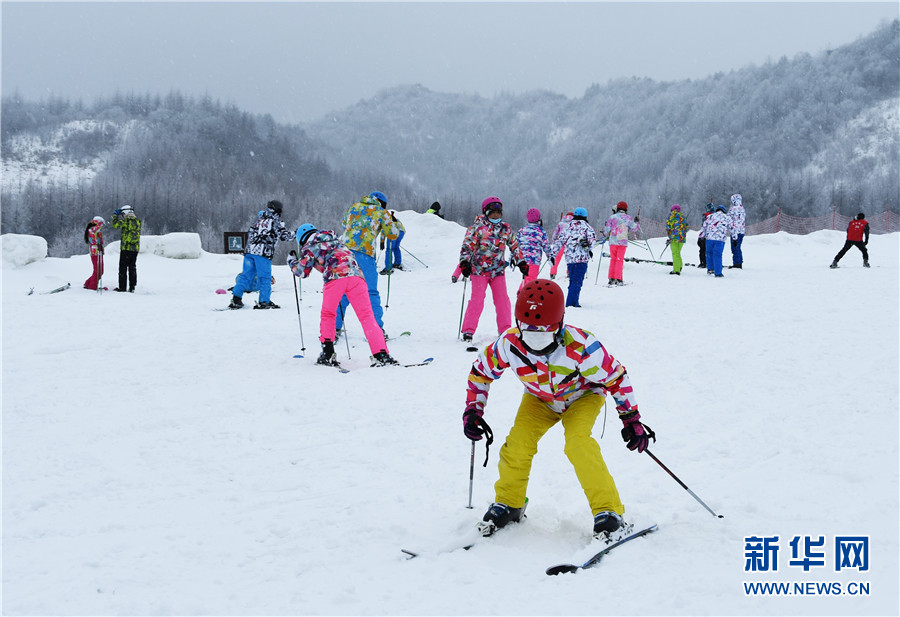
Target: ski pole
x=388, y=296
x=599, y=261
x=462, y=306
x=414, y=257
x=100, y=271
x=344, y=324
x=683, y=485
x=299, y=321
x=471, y=475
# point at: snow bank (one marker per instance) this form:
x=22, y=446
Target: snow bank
x=178, y=245
x=20, y=250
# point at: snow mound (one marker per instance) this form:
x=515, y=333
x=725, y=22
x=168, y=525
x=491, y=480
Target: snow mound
x=19, y=249
x=178, y=245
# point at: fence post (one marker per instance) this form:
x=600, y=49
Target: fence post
x=778, y=221
x=833, y=216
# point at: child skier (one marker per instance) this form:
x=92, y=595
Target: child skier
x=93, y=235
x=264, y=233
x=676, y=230
x=534, y=244
x=701, y=236
x=323, y=251
x=577, y=240
x=566, y=373
x=481, y=258
x=716, y=229
x=617, y=229
x=738, y=227
x=392, y=255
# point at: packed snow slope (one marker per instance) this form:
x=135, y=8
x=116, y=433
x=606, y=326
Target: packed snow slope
x=163, y=458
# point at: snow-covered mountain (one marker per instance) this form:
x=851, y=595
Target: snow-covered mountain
x=161, y=458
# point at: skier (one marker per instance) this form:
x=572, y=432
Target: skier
x=701, y=236
x=567, y=373
x=716, y=229
x=343, y=278
x=481, y=258
x=738, y=227
x=564, y=221
x=616, y=230
x=362, y=223
x=93, y=235
x=533, y=243
x=858, y=236
x=125, y=219
x=392, y=255
x=676, y=229
x=264, y=233
x=435, y=209
x=576, y=241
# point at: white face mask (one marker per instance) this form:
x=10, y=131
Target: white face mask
x=538, y=341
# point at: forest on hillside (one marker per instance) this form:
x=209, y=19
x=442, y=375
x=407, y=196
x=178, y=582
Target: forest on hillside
x=805, y=134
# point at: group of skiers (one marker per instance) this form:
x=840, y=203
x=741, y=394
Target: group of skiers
x=125, y=219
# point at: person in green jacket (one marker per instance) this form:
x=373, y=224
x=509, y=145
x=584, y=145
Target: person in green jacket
x=124, y=219
x=676, y=229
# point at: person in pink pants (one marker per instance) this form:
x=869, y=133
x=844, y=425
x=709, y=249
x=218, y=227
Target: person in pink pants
x=323, y=251
x=93, y=235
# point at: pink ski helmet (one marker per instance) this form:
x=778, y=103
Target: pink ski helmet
x=533, y=215
x=491, y=203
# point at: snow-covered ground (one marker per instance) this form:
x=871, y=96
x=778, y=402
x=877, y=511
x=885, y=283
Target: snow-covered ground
x=161, y=458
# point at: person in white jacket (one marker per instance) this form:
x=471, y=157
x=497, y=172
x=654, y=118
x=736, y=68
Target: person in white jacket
x=738, y=226
x=716, y=228
x=617, y=228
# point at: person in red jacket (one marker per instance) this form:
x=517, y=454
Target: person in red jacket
x=858, y=236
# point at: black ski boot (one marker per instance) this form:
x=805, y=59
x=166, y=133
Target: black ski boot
x=383, y=358
x=609, y=527
x=499, y=515
x=327, y=357
x=236, y=303
x=833, y=264
x=866, y=264
x=266, y=305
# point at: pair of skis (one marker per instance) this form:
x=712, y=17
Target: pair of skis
x=470, y=540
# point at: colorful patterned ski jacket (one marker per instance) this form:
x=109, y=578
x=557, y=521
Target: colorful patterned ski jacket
x=484, y=247
x=738, y=216
x=95, y=238
x=578, y=366
x=676, y=227
x=717, y=226
x=561, y=226
x=327, y=254
x=570, y=239
x=362, y=223
x=617, y=228
x=264, y=233
x=533, y=243
x=131, y=231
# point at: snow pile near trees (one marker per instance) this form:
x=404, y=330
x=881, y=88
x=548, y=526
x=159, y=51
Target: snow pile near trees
x=161, y=458
x=20, y=249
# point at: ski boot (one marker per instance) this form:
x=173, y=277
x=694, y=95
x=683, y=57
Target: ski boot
x=328, y=357
x=833, y=264
x=609, y=527
x=866, y=264
x=266, y=305
x=467, y=337
x=383, y=358
x=499, y=515
x=236, y=303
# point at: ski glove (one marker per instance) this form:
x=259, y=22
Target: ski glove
x=637, y=220
x=472, y=424
x=585, y=243
x=637, y=436
x=466, y=268
x=523, y=267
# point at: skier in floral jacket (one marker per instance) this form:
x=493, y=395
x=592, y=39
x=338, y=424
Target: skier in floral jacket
x=738, y=228
x=564, y=221
x=481, y=258
x=363, y=222
x=617, y=228
x=716, y=229
x=125, y=219
x=263, y=234
x=567, y=374
x=676, y=229
x=323, y=251
x=576, y=240
x=93, y=235
x=533, y=243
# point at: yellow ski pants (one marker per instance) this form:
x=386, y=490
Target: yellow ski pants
x=535, y=418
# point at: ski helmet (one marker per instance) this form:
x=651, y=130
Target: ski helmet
x=275, y=206
x=622, y=206
x=533, y=215
x=676, y=208
x=540, y=302
x=722, y=208
x=491, y=204
x=304, y=232
x=579, y=212
x=127, y=208
x=381, y=197
x=860, y=216
x=99, y=220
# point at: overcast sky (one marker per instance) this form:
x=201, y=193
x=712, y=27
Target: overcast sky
x=301, y=60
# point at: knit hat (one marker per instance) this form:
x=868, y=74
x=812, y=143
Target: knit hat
x=533, y=215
